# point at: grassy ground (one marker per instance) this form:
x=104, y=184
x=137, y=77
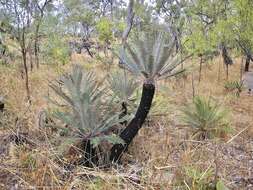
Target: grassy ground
x=165, y=155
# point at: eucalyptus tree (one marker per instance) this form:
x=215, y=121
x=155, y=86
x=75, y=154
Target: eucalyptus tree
x=243, y=29
x=150, y=56
x=19, y=13
x=175, y=15
x=38, y=15
x=203, y=40
x=80, y=16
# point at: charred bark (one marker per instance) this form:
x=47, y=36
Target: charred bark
x=1, y=106
x=123, y=112
x=135, y=125
x=226, y=58
x=248, y=58
x=90, y=156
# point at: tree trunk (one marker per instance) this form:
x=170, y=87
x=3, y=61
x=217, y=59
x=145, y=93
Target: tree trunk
x=1, y=104
x=134, y=126
x=36, y=46
x=200, y=67
x=130, y=17
x=241, y=69
x=226, y=58
x=30, y=58
x=227, y=71
x=26, y=74
x=246, y=69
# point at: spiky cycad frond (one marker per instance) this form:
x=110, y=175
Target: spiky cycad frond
x=234, y=86
x=82, y=95
x=206, y=117
x=152, y=56
x=122, y=85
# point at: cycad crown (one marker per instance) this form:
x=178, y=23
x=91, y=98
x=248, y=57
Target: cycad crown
x=206, y=116
x=152, y=56
x=83, y=94
x=122, y=85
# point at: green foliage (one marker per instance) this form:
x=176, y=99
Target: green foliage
x=199, y=42
x=151, y=55
x=206, y=117
x=56, y=50
x=220, y=186
x=122, y=85
x=196, y=178
x=234, y=86
x=29, y=162
x=85, y=111
x=104, y=28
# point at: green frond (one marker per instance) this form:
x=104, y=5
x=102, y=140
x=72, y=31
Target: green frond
x=122, y=85
x=85, y=111
x=234, y=86
x=151, y=55
x=205, y=116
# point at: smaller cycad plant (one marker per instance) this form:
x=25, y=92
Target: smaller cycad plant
x=86, y=111
x=207, y=118
x=234, y=86
x=122, y=86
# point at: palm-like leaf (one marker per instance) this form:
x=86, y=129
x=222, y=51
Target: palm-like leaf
x=83, y=94
x=205, y=116
x=151, y=55
x=122, y=85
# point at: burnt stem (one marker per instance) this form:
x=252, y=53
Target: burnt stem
x=128, y=134
x=123, y=112
x=248, y=58
x=90, y=156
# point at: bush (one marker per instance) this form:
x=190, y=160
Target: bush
x=206, y=117
x=56, y=50
x=86, y=111
x=104, y=28
x=234, y=86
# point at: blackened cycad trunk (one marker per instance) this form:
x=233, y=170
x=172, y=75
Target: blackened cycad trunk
x=123, y=113
x=90, y=155
x=226, y=58
x=249, y=58
x=128, y=134
x=1, y=104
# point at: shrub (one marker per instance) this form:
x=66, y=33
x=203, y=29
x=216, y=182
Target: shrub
x=234, y=86
x=104, y=28
x=56, y=50
x=206, y=117
x=85, y=109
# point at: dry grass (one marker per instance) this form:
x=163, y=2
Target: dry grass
x=163, y=149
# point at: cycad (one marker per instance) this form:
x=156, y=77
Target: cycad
x=152, y=57
x=236, y=86
x=82, y=96
x=206, y=117
x=122, y=87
